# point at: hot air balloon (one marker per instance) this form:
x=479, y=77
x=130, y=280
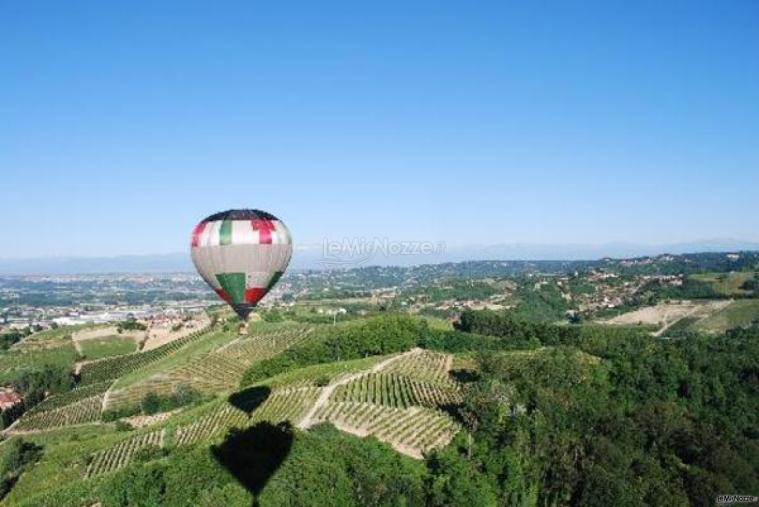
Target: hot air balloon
x=241, y=254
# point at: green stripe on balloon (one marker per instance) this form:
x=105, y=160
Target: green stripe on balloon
x=225, y=233
x=234, y=284
x=274, y=279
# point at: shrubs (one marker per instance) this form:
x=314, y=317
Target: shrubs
x=139, y=486
x=123, y=426
x=130, y=325
x=183, y=395
x=9, y=338
x=16, y=456
x=114, y=414
x=152, y=403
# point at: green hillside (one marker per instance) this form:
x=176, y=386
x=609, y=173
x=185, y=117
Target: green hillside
x=388, y=410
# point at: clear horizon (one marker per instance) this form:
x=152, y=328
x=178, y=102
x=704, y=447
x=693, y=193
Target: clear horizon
x=604, y=122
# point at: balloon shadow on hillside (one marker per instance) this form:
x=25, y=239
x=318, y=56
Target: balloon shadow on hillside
x=254, y=454
x=249, y=399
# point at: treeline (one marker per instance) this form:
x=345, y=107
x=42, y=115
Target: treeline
x=34, y=386
x=390, y=333
x=11, y=337
x=385, y=334
x=489, y=330
x=690, y=289
x=687, y=264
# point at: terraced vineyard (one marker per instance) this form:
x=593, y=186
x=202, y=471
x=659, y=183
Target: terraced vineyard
x=114, y=367
x=425, y=365
x=412, y=430
x=283, y=404
x=397, y=401
x=287, y=404
x=220, y=370
x=211, y=425
x=63, y=399
x=119, y=455
x=397, y=390
x=78, y=412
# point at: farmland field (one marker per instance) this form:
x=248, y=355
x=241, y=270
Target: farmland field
x=115, y=345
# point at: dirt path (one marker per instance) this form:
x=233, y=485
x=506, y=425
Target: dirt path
x=448, y=363
x=105, y=398
x=156, y=336
x=308, y=419
x=711, y=308
x=668, y=324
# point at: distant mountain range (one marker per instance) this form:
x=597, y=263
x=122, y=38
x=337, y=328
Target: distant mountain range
x=312, y=257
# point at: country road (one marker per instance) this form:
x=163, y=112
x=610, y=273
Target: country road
x=307, y=420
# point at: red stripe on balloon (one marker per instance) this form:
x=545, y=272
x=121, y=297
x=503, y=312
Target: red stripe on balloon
x=197, y=232
x=264, y=228
x=254, y=295
x=224, y=295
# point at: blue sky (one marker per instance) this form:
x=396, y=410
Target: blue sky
x=124, y=123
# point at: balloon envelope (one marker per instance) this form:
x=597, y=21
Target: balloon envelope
x=241, y=254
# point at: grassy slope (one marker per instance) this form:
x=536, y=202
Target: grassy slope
x=64, y=459
x=741, y=312
x=50, y=337
x=15, y=361
x=726, y=283
x=107, y=346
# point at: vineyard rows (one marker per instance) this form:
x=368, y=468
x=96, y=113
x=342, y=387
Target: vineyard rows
x=396, y=390
x=264, y=345
x=281, y=405
x=119, y=455
x=220, y=370
x=217, y=422
x=63, y=399
x=395, y=404
x=413, y=430
x=286, y=404
x=425, y=365
x=114, y=367
x=80, y=412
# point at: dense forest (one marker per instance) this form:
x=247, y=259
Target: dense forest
x=609, y=418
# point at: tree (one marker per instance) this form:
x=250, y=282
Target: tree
x=151, y=403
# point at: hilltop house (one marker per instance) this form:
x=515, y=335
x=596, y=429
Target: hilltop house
x=9, y=398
